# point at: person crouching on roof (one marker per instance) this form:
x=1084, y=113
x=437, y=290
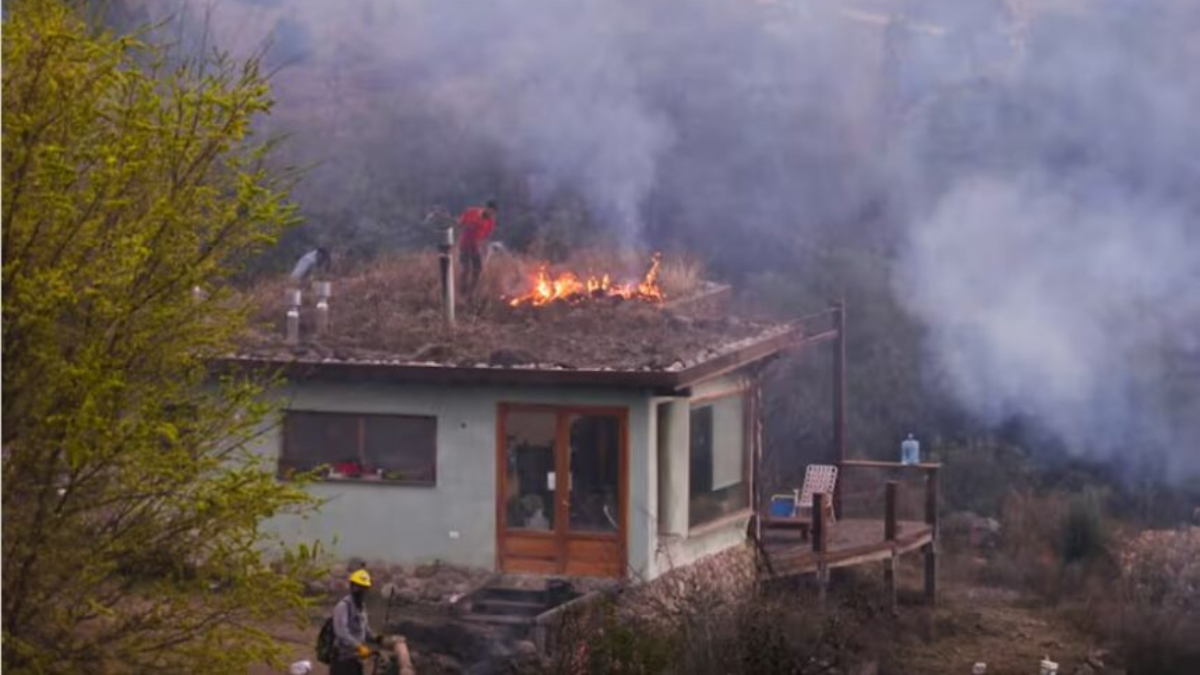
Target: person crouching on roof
x=350, y=629
x=313, y=262
x=477, y=224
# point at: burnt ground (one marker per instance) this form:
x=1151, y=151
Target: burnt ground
x=391, y=312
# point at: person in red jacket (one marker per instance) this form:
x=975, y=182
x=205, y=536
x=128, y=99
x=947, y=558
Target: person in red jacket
x=476, y=224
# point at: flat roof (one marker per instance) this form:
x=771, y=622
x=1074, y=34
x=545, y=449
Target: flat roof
x=386, y=324
x=732, y=357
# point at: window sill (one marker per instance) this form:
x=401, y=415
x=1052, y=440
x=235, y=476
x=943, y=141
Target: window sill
x=719, y=523
x=374, y=481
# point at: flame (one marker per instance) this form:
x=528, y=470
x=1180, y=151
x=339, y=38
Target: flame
x=569, y=287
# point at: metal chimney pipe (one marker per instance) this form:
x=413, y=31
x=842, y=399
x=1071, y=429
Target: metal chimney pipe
x=323, y=289
x=293, y=327
x=322, y=317
x=446, y=263
x=292, y=335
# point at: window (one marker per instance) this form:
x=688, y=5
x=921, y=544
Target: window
x=398, y=448
x=719, y=459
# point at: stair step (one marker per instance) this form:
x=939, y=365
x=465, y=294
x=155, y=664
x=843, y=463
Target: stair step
x=507, y=607
x=498, y=619
x=503, y=594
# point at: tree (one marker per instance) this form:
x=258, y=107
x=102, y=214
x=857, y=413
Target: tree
x=134, y=190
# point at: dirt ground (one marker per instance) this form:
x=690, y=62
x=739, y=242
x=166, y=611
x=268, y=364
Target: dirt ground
x=972, y=623
x=1009, y=632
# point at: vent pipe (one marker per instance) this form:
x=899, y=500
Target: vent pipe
x=323, y=290
x=292, y=336
x=446, y=260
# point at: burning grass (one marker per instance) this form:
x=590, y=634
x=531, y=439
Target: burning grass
x=391, y=310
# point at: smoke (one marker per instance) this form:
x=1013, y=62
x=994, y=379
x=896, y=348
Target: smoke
x=716, y=113
x=1053, y=248
x=1028, y=167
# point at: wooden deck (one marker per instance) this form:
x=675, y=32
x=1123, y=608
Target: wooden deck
x=850, y=542
x=816, y=543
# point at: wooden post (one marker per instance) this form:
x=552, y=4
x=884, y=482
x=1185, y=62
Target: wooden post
x=820, y=543
x=931, y=499
x=839, y=396
x=931, y=519
x=889, y=534
x=889, y=511
x=820, y=528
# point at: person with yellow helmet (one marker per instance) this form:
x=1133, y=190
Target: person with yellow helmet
x=350, y=628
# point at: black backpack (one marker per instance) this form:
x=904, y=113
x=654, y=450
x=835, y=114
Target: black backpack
x=326, y=650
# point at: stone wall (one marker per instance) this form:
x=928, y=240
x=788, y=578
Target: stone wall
x=431, y=583
x=718, y=579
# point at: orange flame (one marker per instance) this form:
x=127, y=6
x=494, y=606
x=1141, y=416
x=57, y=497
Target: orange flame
x=569, y=287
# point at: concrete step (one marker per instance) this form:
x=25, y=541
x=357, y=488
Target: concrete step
x=507, y=607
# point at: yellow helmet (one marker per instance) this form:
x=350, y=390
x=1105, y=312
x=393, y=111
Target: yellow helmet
x=361, y=578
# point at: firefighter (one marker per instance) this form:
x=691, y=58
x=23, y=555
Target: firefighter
x=477, y=224
x=350, y=628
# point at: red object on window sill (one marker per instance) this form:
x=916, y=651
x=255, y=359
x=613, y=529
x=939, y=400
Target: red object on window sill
x=348, y=469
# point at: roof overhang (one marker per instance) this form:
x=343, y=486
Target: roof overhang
x=662, y=381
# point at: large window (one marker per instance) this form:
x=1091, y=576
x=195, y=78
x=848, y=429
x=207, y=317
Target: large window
x=719, y=459
x=398, y=448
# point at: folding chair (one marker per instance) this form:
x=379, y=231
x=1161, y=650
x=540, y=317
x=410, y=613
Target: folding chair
x=818, y=478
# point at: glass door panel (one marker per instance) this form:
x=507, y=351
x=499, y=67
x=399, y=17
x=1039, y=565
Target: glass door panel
x=594, y=456
x=531, y=480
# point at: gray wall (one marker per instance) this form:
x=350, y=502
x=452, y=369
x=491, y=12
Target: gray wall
x=409, y=524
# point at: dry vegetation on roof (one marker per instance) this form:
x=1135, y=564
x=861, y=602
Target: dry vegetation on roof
x=390, y=310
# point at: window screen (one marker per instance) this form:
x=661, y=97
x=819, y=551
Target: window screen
x=400, y=448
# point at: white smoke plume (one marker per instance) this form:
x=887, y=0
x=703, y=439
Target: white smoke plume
x=1031, y=166
x=1054, y=246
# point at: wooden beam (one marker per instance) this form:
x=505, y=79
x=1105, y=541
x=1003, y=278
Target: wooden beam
x=876, y=464
x=839, y=394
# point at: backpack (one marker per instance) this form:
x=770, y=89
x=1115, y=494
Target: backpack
x=326, y=650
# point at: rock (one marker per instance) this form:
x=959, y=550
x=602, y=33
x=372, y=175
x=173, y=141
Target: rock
x=389, y=590
x=525, y=648
x=446, y=663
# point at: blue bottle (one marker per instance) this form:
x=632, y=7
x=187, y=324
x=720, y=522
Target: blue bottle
x=910, y=451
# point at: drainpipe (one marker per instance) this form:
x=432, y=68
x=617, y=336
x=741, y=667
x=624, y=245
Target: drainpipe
x=446, y=261
x=323, y=290
x=292, y=336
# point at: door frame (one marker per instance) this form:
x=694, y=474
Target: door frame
x=561, y=535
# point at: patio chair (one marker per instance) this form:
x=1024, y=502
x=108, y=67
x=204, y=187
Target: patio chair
x=818, y=478
x=794, y=511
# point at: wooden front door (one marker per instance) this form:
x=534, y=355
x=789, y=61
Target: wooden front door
x=561, y=486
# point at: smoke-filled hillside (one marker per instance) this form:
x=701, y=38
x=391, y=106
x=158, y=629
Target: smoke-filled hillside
x=1004, y=190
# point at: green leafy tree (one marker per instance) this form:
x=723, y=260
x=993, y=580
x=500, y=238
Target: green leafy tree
x=134, y=189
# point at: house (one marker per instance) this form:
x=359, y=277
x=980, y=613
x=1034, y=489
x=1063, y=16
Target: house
x=609, y=438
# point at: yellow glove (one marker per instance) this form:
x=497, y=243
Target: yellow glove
x=364, y=651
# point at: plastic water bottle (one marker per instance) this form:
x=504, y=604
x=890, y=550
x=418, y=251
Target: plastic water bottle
x=910, y=451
